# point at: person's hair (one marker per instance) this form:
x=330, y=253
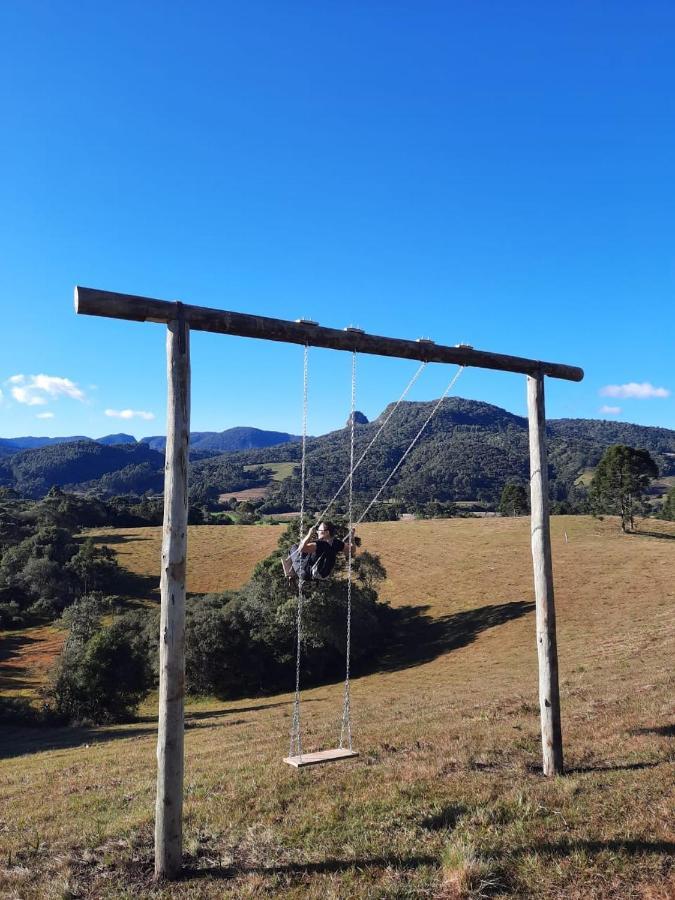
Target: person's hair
x=330, y=528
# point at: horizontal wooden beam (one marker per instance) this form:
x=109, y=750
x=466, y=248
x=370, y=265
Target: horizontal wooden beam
x=91, y=302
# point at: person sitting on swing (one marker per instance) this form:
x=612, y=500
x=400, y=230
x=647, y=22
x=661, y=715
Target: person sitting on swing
x=316, y=553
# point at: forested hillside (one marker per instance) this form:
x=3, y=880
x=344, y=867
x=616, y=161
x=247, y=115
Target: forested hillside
x=469, y=451
x=33, y=472
x=232, y=439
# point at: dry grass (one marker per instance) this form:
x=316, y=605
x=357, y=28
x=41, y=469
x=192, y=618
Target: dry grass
x=26, y=655
x=446, y=799
x=281, y=470
x=220, y=557
x=254, y=493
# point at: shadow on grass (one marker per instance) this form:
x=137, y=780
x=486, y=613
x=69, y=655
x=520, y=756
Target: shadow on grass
x=137, y=587
x=17, y=740
x=13, y=677
x=420, y=638
x=536, y=768
x=594, y=848
x=12, y=644
x=445, y=819
x=402, y=863
x=655, y=534
x=326, y=866
x=663, y=730
x=100, y=539
x=217, y=713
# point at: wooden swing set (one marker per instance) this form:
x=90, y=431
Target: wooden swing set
x=180, y=319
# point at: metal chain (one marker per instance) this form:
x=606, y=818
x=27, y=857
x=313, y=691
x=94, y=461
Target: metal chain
x=296, y=735
x=346, y=728
x=413, y=442
x=353, y=468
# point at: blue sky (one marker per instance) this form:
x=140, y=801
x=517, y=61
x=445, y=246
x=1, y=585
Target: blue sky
x=494, y=174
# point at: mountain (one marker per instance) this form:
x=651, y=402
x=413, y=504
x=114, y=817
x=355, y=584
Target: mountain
x=359, y=419
x=241, y=438
x=31, y=443
x=13, y=445
x=80, y=464
x=468, y=452
x=201, y=442
x=112, y=439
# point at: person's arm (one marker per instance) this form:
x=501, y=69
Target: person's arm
x=306, y=545
x=349, y=541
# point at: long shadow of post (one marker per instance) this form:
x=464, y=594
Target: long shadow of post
x=664, y=536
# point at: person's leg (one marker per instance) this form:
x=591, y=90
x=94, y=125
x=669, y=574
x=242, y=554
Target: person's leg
x=292, y=562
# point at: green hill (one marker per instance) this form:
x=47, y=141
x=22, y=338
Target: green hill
x=468, y=452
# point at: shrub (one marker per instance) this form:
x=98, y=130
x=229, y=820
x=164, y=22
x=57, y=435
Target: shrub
x=101, y=678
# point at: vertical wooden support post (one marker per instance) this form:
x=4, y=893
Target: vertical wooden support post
x=549, y=694
x=169, y=805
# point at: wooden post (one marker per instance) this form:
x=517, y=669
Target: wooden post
x=549, y=694
x=169, y=804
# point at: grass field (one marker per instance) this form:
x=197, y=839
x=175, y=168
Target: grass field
x=586, y=477
x=446, y=799
x=26, y=655
x=281, y=470
x=220, y=557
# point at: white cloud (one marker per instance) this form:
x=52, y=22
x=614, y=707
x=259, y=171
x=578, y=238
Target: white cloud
x=129, y=414
x=635, y=390
x=610, y=410
x=45, y=415
x=37, y=390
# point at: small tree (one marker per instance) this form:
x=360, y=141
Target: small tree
x=668, y=508
x=95, y=568
x=620, y=481
x=513, y=501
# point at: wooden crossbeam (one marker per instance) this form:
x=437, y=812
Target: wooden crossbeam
x=92, y=302
x=321, y=756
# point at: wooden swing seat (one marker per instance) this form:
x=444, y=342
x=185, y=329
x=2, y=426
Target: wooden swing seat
x=320, y=757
